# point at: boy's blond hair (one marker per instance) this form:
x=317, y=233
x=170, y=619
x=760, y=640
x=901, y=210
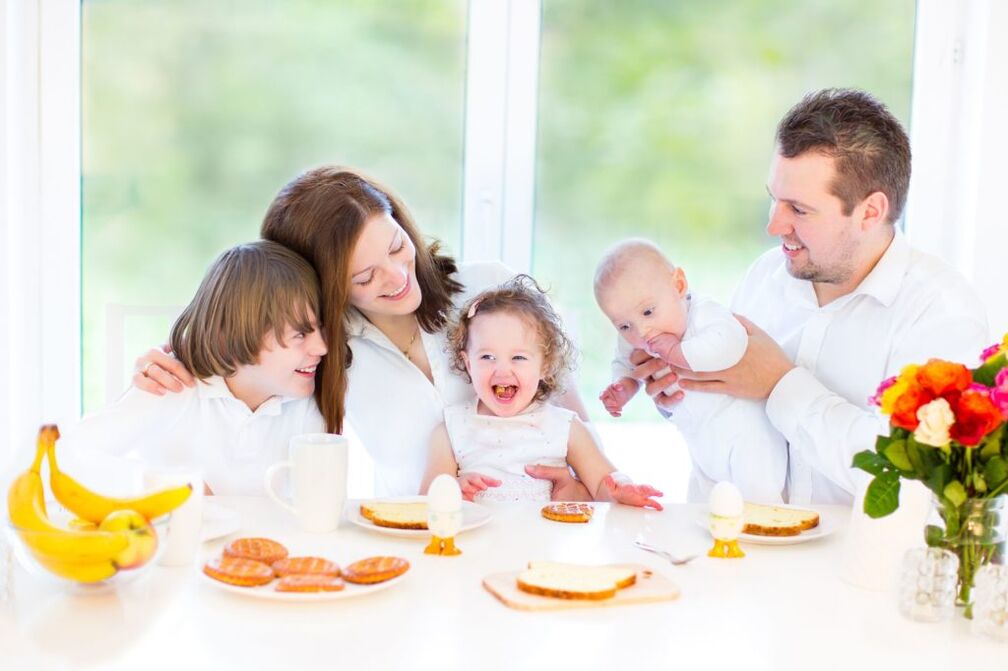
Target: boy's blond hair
x=524, y=298
x=249, y=290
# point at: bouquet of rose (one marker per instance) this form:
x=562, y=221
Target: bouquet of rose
x=947, y=429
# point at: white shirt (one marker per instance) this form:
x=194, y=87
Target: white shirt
x=204, y=427
x=501, y=447
x=391, y=405
x=911, y=307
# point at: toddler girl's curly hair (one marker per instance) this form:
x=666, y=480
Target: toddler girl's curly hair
x=524, y=298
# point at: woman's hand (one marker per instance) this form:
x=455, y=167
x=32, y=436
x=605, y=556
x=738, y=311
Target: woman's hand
x=472, y=484
x=157, y=372
x=565, y=487
x=632, y=495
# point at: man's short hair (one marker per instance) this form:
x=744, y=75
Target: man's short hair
x=870, y=148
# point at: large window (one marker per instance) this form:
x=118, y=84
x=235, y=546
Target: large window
x=656, y=119
x=195, y=112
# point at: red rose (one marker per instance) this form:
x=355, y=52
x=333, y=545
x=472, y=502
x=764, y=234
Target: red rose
x=976, y=416
x=904, y=414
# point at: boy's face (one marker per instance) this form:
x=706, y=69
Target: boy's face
x=645, y=299
x=285, y=368
x=504, y=358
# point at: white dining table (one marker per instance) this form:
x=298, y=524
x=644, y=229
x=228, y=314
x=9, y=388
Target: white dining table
x=780, y=607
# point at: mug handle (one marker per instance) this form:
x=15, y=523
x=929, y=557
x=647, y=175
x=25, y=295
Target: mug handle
x=268, y=483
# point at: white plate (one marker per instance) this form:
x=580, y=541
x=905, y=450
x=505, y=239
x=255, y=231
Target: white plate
x=218, y=521
x=827, y=525
x=473, y=515
x=268, y=591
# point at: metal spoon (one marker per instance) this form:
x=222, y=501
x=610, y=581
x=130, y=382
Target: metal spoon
x=675, y=561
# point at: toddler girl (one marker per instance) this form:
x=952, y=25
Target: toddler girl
x=510, y=344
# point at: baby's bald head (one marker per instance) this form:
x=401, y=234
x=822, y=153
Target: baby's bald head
x=636, y=253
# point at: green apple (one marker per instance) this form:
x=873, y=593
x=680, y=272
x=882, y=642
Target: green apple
x=142, y=537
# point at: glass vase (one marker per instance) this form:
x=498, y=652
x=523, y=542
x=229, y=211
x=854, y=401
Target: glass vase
x=976, y=532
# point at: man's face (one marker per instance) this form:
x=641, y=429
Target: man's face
x=820, y=243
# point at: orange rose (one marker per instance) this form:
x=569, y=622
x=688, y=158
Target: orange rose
x=939, y=377
x=904, y=408
x=976, y=416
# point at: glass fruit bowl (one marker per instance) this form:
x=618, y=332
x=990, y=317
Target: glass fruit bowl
x=85, y=556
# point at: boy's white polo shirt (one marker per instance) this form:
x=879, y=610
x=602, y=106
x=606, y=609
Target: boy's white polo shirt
x=204, y=427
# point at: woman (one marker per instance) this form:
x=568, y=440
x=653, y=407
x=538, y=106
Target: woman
x=386, y=297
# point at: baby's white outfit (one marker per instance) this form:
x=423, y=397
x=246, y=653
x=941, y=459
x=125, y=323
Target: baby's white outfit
x=501, y=447
x=728, y=438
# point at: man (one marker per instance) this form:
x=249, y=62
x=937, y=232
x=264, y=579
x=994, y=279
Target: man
x=844, y=302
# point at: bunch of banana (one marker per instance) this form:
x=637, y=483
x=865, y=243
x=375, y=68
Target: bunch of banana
x=93, y=507
x=84, y=556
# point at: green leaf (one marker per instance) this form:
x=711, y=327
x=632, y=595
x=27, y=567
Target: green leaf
x=955, y=493
x=882, y=496
x=896, y=452
x=933, y=536
x=996, y=472
x=986, y=373
x=940, y=477
x=868, y=461
x=991, y=445
x=882, y=442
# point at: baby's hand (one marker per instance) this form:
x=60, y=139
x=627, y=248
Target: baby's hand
x=618, y=394
x=663, y=345
x=472, y=484
x=632, y=495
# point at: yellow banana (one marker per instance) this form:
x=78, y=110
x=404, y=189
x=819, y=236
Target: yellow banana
x=93, y=507
x=95, y=571
x=26, y=508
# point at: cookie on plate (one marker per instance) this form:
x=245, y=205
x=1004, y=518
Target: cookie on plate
x=568, y=512
x=374, y=570
x=305, y=566
x=309, y=583
x=263, y=550
x=238, y=571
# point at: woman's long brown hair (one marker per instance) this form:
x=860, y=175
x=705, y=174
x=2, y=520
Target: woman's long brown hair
x=320, y=215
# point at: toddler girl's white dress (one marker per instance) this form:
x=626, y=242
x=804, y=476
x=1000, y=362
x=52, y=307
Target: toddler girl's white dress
x=501, y=447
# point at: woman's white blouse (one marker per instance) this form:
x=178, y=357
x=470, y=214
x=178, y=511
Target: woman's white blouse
x=391, y=406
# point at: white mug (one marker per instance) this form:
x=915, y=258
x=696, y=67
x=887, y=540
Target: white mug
x=183, y=534
x=318, y=466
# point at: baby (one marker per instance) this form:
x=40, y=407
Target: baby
x=648, y=301
x=510, y=344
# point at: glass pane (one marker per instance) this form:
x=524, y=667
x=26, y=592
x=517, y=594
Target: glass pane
x=656, y=119
x=191, y=127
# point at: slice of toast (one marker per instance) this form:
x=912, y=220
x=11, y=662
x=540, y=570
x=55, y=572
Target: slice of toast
x=761, y=520
x=621, y=576
x=396, y=515
x=574, y=581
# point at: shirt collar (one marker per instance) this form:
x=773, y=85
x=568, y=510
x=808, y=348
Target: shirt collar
x=215, y=387
x=885, y=279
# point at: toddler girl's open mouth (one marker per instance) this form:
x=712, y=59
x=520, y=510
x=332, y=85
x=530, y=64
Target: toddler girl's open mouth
x=504, y=392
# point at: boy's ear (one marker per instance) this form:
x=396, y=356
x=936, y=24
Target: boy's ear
x=679, y=282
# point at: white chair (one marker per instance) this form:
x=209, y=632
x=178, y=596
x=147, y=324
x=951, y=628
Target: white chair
x=117, y=318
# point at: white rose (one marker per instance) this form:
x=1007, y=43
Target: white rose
x=935, y=419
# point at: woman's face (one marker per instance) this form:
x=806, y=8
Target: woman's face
x=383, y=269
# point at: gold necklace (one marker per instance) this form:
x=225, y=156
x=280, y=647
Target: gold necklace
x=412, y=340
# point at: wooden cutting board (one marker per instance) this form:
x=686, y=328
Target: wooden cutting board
x=650, y=587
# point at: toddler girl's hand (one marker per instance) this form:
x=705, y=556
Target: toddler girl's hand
x=618, y=394
x=663, y=345
x=632, y=495
x=472, y=484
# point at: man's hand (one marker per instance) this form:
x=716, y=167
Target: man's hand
x=618, y=394
x=472, y=484
x=755, y=376
x=565, y=487
x=657, y=388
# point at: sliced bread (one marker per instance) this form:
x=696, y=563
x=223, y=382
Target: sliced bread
x=574, y=581
x=396, y=515
x=762, y=520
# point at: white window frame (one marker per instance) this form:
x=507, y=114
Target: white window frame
x=958, y=56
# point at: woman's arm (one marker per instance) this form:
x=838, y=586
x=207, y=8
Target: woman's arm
x=158, y=372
